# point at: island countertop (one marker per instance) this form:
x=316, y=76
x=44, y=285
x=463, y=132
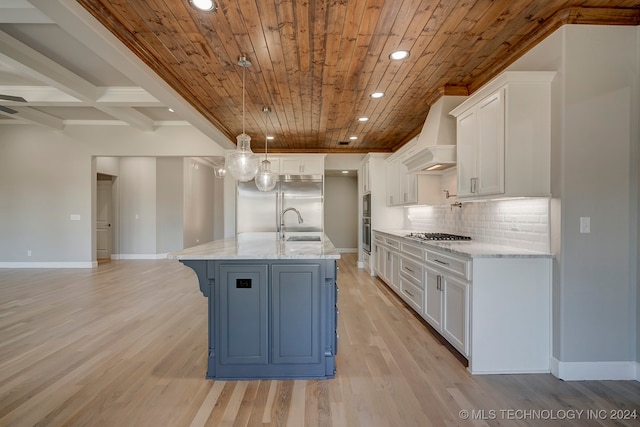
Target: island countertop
x=264, y=245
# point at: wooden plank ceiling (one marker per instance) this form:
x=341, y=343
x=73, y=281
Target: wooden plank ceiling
x=316, y=62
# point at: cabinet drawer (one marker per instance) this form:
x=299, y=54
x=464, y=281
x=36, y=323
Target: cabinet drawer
x=378, y=237
x=392, y=242
x=411, y=294
x=411, y=269
x=449, y=263
x=411, y=250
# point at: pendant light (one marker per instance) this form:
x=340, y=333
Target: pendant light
x=219, y=170
x=243, y=163
x=265, y=179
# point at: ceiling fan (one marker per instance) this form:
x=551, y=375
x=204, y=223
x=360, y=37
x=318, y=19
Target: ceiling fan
x=10, y=98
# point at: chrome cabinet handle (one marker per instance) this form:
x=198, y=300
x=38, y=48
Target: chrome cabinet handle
x=474, y=185
x=407, y=292
x=439, y=282
x=440, y=262
x=408, y=269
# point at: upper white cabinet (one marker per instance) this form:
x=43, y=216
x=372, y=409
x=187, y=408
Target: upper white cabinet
x=504, y=138
x=364, y=176
x=307, y=165
x=405, y=188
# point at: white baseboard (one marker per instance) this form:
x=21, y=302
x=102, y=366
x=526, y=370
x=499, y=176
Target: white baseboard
x=138, y=256
x=347, y=250
x=74, y=264
x=582, y=371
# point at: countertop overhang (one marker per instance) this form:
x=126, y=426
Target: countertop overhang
x=266, y=245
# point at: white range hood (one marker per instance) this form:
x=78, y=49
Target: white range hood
x=436, y=146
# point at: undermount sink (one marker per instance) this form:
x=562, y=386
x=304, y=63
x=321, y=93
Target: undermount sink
x=303, y=239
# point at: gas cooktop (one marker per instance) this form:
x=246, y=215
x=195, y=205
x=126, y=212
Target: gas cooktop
x=437, y=236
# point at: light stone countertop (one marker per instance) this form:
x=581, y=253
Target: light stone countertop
x=472, y=248
x=260, y=246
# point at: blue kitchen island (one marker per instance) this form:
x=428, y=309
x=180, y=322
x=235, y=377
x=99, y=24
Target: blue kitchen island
x=271, y=303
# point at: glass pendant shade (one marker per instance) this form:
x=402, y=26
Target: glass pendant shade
x=265, y=179
x=243, y=163
x=219, y=170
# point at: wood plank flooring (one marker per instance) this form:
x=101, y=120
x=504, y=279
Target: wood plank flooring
x=125, y=345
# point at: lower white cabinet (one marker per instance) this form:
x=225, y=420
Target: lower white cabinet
x=495, y=310
x=387, y=259
x=455, y=316
x=446, y=307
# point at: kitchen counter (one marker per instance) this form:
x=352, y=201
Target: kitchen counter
x=264, y=245
x=472, y=248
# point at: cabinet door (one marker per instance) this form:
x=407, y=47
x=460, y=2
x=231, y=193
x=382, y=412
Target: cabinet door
x=290, y=166
x=455, y=321
x=313, y=166
x=302, y=165
x=393, y=183
x=242, y=309
x=432, y=298
x=490, y=145
x=411, y=188
x=366, y=187
x=466, y=153
x=393, y=269
x=379, y=260
x=295, y=307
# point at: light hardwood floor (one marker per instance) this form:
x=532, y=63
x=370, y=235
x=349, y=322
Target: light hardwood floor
x=125, y=345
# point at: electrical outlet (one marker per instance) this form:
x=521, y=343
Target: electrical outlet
x=28, y=252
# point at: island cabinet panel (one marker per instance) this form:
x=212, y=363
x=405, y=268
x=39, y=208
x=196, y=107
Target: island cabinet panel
x=295, y=304
x=243, y=314
x=270, y=319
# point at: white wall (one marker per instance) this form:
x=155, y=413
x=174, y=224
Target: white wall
x=341, y=211
x=44, y=178
x=169, y=201
x=137, y=231
x=199, y=206
x=594, y=154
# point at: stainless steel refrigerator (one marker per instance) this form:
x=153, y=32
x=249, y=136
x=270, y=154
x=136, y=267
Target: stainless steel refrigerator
x=260, y=211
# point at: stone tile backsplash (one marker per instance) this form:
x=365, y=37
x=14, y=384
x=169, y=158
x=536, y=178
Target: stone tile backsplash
x=522, y=223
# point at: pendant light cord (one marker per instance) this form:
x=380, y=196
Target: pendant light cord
x=243, y=72
x=266, y=128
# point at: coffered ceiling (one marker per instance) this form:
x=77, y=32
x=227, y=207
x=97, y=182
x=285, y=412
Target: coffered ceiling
x=314, y=63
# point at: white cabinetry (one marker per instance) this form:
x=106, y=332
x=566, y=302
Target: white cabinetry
x=302, y=165
x=496, y=311
x=447, y=297
x=405, y=188
x=504, y=138
x=364, y=178
x=387, y=259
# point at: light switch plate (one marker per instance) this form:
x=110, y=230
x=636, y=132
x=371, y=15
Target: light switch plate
x=74, y=217
x=585, y=224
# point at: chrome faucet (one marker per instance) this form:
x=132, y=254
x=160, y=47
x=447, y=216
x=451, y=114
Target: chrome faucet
x=300, y=220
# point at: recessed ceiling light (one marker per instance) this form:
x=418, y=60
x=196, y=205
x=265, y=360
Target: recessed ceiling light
x=399, y=55
x=271, y=137
x=204, y=5
x=376, y=95
x=353, y=137
x=363, y=119
x=345, y=171
x=171, y=109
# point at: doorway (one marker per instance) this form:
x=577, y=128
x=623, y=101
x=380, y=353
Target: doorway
x=104, y=217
